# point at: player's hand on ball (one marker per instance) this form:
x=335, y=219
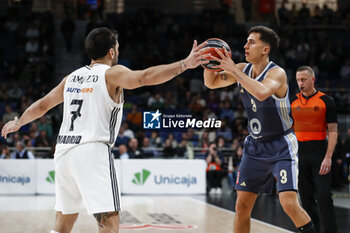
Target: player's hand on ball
x=226, y=63
x=213, y=45
x=195, y=58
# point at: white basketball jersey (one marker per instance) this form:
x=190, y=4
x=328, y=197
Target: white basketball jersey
x=89, y=113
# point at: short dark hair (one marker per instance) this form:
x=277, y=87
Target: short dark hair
x=308, y=69
x=267, y=35
x=99, y=41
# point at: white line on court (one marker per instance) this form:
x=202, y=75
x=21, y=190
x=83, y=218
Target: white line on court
x=230, y=211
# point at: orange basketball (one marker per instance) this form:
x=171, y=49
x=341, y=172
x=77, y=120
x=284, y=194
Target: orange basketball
x=215, y=43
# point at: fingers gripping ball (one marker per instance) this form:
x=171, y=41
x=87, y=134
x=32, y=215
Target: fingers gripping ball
x=212, y=44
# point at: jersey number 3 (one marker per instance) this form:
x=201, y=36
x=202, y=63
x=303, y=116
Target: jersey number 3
x=76, y=113
x=283, y=174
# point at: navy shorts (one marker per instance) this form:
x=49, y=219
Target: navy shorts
x=264, y=163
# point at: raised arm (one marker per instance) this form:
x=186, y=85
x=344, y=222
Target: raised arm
x=36, y=110
x=274, y=83
x=121, y=76
x=221, y=79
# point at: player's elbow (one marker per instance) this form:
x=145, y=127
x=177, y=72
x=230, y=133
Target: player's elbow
x=262, y=99
x=149, y=78
x=261, y=96
x=208, y=85
x=138, y=79
x=209, y=79
x=38, y=108
x=42, y=105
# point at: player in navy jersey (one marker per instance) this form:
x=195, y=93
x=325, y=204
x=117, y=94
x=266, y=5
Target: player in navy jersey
x=270, y=151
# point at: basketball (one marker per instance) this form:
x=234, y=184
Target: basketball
x=214, y=43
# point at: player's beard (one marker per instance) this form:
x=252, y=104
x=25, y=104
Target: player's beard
x=115, y=61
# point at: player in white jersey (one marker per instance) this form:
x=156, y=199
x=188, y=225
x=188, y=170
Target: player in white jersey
x=92, y=114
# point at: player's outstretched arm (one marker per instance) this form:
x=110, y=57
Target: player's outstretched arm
x=121, y=76
x=36, y=110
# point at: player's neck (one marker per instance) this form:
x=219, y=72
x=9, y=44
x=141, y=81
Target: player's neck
x=259, y=67
x=100, y=61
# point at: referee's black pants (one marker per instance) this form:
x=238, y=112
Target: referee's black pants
x=214, y=178
x=315, y=189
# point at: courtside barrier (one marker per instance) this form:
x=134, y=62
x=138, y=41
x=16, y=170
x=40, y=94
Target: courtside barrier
x=135, y=176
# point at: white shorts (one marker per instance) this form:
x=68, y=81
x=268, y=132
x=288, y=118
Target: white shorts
x=86, y=173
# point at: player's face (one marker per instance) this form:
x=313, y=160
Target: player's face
x=305, y=81
x=116, y=54
x=255, y=48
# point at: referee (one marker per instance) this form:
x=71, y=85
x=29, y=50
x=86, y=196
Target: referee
x=315, y=117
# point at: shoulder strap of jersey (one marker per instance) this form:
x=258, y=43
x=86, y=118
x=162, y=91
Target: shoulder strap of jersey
x=269, y=67
x=247, y=68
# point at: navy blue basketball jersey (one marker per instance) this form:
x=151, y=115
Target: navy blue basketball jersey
x=268, y=118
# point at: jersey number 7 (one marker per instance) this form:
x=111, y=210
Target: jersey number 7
x=75, y=114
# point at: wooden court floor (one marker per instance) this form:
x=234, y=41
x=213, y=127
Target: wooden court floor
x=146, y=214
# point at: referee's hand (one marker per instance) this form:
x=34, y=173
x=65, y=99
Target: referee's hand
x=325, y=166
